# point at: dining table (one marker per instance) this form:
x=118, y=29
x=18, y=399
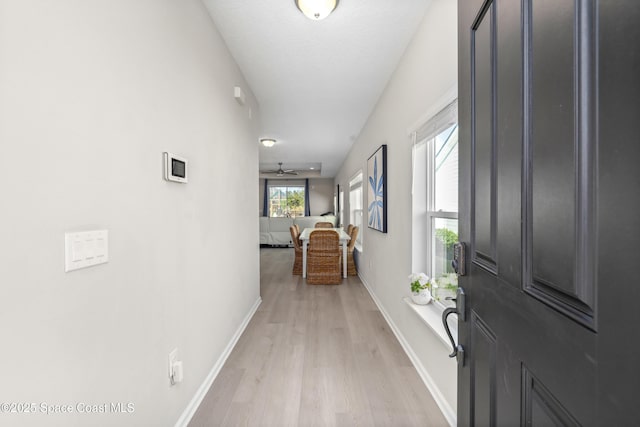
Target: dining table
x=344, y=240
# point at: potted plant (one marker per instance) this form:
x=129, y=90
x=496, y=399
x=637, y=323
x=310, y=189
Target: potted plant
x=420, y=288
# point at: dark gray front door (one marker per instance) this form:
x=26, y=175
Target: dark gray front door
x=549, y=205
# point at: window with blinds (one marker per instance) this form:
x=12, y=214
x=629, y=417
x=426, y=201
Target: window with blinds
x=435, y=199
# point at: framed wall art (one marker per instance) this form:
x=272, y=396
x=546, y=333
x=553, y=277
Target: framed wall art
x=377, y=189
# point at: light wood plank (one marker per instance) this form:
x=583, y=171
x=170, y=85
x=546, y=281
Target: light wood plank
x=316, y=356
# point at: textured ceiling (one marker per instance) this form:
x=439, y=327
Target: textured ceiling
x=316, y=81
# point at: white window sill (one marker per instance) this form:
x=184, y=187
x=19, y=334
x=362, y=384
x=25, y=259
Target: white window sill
x=431, y=315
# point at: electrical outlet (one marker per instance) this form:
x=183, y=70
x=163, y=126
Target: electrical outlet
x=173, y=359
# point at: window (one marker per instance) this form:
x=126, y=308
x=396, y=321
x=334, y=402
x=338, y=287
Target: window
x=435, y=201
x=286, y=200
x=355, y=206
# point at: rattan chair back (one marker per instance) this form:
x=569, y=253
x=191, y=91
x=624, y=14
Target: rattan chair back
x=351, y=265
x=297, y=248
x=354, y=236
x=323, y=258
x=323, y=224
x=295, y=237
x=324, y=241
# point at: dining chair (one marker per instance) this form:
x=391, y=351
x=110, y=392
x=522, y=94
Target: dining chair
x=298, y=232
x=297, y=248
x=351, y=265
x=323, y=224
x=349, y=228
x=324, y=258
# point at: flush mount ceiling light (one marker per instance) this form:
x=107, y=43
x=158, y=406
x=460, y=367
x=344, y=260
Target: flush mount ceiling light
x=316, y=9
x=268, y=142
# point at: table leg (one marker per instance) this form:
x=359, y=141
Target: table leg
x=304, y=258
x=344, y=259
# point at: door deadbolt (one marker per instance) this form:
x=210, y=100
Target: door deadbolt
x=459, y=258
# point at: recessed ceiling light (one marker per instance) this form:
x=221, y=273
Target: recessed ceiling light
x=268, y=142
x=316, y=9
x=312, y=168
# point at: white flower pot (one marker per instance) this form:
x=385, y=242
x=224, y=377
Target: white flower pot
x=421, y=298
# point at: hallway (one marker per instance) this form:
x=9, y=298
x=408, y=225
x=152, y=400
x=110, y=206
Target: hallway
x=316, y=356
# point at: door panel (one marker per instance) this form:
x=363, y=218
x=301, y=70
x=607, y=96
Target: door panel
x=559, y=148
x=618, y=212
x=509, y=99
x=484, y=372
x=539, y=406
x=552, y=143
x=527, y=192
x=484, y=178
x=549, y=127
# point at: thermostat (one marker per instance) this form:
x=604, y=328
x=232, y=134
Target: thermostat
x=175, y=168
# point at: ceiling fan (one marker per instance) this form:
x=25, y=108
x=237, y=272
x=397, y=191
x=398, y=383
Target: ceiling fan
x=282, y=172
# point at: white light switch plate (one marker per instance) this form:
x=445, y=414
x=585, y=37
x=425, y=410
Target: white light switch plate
x=85, y=249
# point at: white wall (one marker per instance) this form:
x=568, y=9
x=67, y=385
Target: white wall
x=321, y=191
x=91, y=94
x=427, y=71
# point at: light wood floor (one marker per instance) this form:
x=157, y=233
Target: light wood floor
x=316, y=356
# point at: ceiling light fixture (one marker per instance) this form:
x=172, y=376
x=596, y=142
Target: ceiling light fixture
x=267, y=142
x=316, y=9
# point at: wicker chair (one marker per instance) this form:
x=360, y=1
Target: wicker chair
x=297, y=227
x=349, y=228
x=324, y=258
x=323, y=224
x=297, y=263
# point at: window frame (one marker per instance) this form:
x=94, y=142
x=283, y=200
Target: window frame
x=356, y=183
x=431, y=213
x=287, y=186
x=424, y=137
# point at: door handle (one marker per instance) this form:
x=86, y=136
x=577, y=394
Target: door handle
x=458, y=350
x=446, y=314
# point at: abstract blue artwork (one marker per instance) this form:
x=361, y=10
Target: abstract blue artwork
x=377, y=189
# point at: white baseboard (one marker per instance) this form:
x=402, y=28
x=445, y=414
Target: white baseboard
x=192, y=407
x=445, y=407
